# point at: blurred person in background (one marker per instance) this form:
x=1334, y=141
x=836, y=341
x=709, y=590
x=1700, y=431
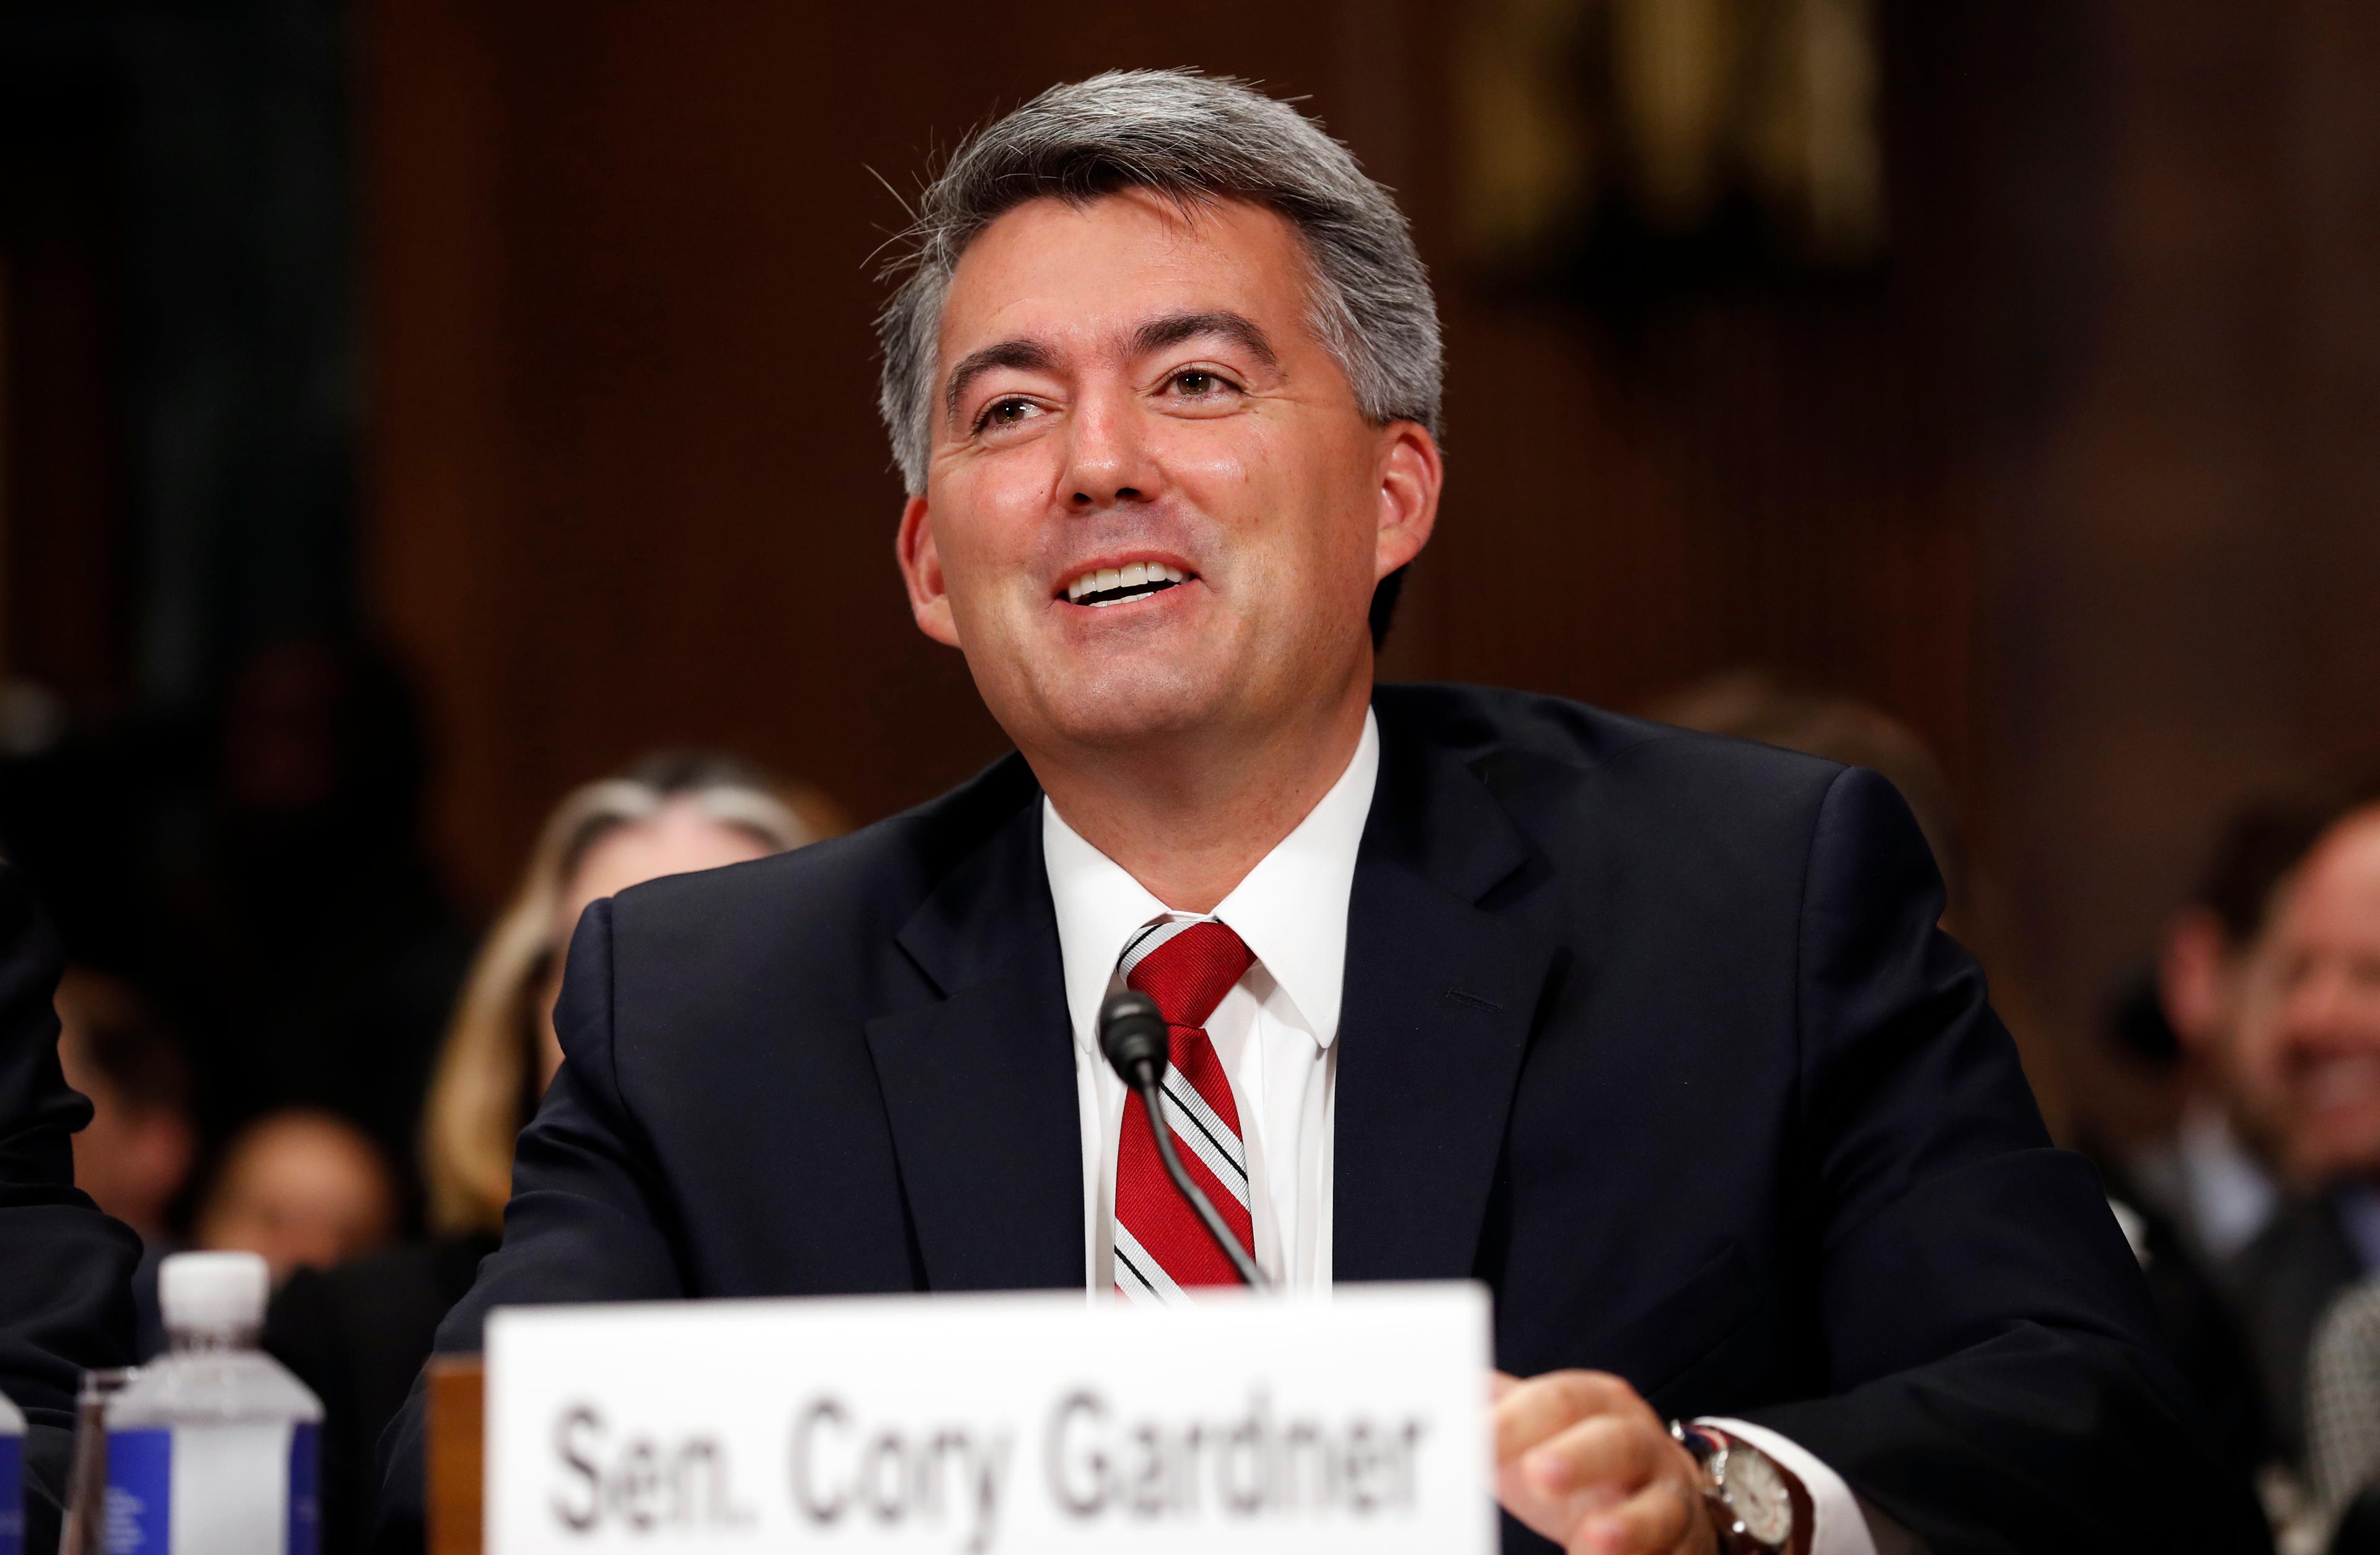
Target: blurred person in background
x=302, y=1188
x=2185, y=1132
x=358, y=1334
x=65, y=1269
x=311, y=948
x=2306, y=1049
x=136, y=1156
x=2194, y=1145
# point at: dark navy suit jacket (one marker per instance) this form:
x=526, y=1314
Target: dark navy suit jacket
x=1651, y=1031
x=65, y=1269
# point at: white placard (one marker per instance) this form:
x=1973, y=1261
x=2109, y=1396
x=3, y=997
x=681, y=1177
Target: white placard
x=977, y=1424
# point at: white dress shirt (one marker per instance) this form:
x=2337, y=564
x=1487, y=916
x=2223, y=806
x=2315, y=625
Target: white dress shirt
x=1276, y=1035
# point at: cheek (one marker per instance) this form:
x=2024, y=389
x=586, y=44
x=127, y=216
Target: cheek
x=2251, y=1061
x=988, y=524
x=1301, y=509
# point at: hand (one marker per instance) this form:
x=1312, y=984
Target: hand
x=1584, y=1462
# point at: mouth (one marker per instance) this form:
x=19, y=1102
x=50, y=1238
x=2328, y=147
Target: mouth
x=2341, y=1082
x=1097, y=588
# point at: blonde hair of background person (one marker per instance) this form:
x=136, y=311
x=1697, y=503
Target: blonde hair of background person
x=482, y=1091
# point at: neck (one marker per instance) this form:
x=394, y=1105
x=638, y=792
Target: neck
x=1190, y=816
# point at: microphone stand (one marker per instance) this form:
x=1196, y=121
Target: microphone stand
x=1133, y=1035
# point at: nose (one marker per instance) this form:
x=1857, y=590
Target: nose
x=1109, y=460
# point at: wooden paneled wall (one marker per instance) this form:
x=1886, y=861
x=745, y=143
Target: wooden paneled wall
x=2049, y=489
x=627, y=484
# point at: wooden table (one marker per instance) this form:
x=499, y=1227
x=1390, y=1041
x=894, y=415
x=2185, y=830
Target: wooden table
x=457, y=1438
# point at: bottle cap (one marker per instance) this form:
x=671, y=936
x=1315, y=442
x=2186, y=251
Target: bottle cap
x=213, y=1292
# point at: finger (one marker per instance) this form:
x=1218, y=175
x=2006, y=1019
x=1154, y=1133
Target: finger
x=1651, y=1522
x=1612, y=1454
x=1499, y=1383
x=1542, y=1405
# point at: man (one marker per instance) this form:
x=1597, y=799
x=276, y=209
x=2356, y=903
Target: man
x=2209, y=1172
x=1651, y=1032
x=2309, y=1044
x=65, y=1269
x=2192, y=1167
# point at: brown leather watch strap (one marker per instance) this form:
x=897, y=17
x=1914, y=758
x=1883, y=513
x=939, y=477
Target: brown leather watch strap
x=1805, y=1512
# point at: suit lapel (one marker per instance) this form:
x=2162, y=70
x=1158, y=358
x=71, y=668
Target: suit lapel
x=1440, y=998
x=979, y=1084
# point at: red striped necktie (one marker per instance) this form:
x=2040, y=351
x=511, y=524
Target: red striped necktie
x=1161, y=1248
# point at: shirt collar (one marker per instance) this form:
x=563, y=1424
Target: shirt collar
x=1290, y=909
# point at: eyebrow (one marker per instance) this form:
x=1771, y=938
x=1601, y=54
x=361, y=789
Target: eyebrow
x=1029, y=355
x=1156, y=334
x=1174, y=328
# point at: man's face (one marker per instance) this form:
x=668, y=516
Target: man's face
x=1153, y=507
x=2309, y=1009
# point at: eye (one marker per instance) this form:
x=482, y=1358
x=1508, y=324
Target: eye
x=1007, y=411
x=1198, y=391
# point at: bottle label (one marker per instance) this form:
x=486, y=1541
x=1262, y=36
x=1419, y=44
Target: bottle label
x=12, y=1495
x=140, y=1492
x=246, y=1490
x=306, y=1490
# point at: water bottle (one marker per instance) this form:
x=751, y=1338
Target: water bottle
x=213, y=1449
x=12, y=1479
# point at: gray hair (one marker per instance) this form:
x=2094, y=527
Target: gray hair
x=1198, y=139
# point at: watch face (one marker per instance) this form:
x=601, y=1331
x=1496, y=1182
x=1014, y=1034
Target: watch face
x=1755, y=1492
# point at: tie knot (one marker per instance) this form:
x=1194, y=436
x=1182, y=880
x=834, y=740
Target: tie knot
x=1185, y=968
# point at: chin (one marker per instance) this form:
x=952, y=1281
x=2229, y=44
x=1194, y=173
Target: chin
x=1123, y=724
x=2324, y=1151
x=1122, y=709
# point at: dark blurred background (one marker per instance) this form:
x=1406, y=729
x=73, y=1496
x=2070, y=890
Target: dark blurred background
x=413, y=408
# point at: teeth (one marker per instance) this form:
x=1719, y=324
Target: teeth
x=1139, y=575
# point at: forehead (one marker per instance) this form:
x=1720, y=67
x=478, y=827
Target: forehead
x=1066, y=273
x=2339, y=892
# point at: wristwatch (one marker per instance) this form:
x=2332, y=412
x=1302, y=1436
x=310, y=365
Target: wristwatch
x=1757, y=1507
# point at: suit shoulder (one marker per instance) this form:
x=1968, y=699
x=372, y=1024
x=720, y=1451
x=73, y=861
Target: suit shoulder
x=1521, y=739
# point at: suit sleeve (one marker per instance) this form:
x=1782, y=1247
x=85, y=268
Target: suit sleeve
x=588, y=1220
x=1994, y=1382
x=65, y=1269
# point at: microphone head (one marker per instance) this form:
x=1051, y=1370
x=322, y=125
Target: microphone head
x=1133, y=1035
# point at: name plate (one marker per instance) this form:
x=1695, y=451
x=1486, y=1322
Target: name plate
x=974, y=1425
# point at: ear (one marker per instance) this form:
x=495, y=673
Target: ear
x=921, y=569
x=1411, y=475
x=2193, y=978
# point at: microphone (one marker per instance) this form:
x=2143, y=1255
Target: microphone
x=1131, y=1034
